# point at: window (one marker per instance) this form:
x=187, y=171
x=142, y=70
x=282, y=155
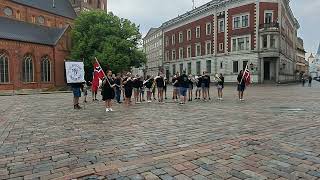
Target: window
x=241, y=43
x=181, y=68
x=180, y=37
x=265, y=41
x=168, y=56
x=27, y=69
x=49, y=22
x=244, y=65
x=221, y=65
x=235, y=67
x=198, y=68
x=198, y=49
x=8, y=11
x=221, y=25
x=180, y=53
x=208, y=28
x=245, y=21
x=189, y=68
x=174, y=54
x=208, y=63
x=174, y=69
x=4, y=68
x=189, y=52
x=18, y=15
x=241, y=21
x=45, y=69
x=173, y=39
x=167, y=41
x=40, y=20
x=221, y=48
x=272, y=41
x=208, y=47
x=189, y=35
x=268, y=16
x=198, y=32
x=33, y=19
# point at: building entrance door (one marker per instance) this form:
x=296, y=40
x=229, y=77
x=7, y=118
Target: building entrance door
x=266, y=70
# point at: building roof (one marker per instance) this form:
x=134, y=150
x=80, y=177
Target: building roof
x=58, y=7
x=151, y=31
x=318, y=52
x=311, y=56
x=26, y=32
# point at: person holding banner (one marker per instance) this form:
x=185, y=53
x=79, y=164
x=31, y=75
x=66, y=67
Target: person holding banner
x=241, y=85
x=108, y=93
x=76, y=94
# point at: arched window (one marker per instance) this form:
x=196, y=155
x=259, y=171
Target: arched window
x=45, y=69
x=8, y=11
x=27, y=69
x=4, y=68
x=18, y=15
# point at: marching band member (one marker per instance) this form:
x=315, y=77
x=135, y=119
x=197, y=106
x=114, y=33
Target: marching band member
x=148, y=83
x=160, y=85
x=118, y=83
x=136, y=89
x=190, y=89
x=108, y=91
x=175, y=85
x=128, y=87
x=198, y=84
x=141, y=89
x=220, y=85
x=205, y=86
x=184, y=85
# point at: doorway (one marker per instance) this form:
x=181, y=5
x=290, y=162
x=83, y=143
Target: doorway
x=267, y=70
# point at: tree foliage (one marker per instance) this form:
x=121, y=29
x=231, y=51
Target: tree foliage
x=113, y=40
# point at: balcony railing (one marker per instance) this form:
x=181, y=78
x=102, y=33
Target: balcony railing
x=267, y=26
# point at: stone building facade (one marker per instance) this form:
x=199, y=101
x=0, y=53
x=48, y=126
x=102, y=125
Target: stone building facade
x=302, y=65
x=225, y=36
x=87, y=5
x=34, y=42
x=152, y=46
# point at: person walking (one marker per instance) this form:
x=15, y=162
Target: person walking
x=241, y=85
x=220, y=86
x=310, y=81
x=118, y=84
x=108, y=93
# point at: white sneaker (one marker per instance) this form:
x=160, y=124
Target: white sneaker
x=110, y=109
x=107, y=110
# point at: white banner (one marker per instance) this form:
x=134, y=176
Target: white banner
x=74, y=72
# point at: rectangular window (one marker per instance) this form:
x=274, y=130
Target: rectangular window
x=208, y=63
x=181, y=68
x=189, y=35
x=198, y=49
x=235, y=67
x=221, y=48
x=167, y=41
x=244, y=65
x=234, y=44
x=208, y=47
x=180, y=37
x=245, y=21
x=180, y=53
x=173, y=39
x=236, y=22
x=168, y=56
x=198, y=32
x=265, y=41
x=208, y=28
x=268, y=16
x=189, y=68
x=189, y=52
x=241, y=44
x=247, y=43
x=174, y=54
x=221, y=25
x=198, y=68
x=174, y=69
x=272, y=41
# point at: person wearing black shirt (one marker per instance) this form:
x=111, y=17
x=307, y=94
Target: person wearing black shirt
x=136, y=89
x=176, y=89
x=184, y=85
x=118, y=82
x=220, y=85
x=108, y=91
x=166, y=81
x=205, y=85
x=160, y=86
x=128, y=87
x=241, y=85
x=198, y=84
x=141, y=89
x=148, y=84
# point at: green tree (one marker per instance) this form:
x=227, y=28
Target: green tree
x=113, y=40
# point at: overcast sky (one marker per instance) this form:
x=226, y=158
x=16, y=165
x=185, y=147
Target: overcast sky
x=152, y=13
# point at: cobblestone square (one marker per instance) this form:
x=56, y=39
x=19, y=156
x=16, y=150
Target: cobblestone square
x=274, y=134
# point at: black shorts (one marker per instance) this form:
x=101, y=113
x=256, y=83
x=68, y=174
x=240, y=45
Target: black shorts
x=128, y=93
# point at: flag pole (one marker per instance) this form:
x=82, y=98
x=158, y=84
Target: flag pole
x=243, y=73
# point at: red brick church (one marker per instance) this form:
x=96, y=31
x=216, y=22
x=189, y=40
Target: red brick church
x=35, y=41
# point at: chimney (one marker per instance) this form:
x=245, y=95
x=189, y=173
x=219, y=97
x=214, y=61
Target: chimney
x=53, y=4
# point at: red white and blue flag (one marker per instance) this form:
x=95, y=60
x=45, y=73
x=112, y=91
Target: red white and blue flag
x=247, y=76
x=98, y=75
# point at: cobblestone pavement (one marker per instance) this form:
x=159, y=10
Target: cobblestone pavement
x=274, y=134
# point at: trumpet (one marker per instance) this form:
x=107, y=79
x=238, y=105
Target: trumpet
x=217, y=78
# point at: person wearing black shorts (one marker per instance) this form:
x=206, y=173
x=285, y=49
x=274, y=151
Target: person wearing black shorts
x=205, y=85
x=241, y=85
x=184, y=85
x=160, y=86
x=108, y=91
x=198, y=84
x=128, y=87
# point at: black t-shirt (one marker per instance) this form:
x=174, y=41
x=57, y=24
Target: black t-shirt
x=107, y=85
x=174, y=80
x=149, y=83
x=240, y=79
x=160, y=82
x=199, y=82
x=140, y=83
x=136, y=83
x=128, y=85
x=206, y=80
x=221, y=83
x=183, y=81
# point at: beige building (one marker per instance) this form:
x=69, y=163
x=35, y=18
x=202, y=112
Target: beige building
x=153, y=47
x=302, y=65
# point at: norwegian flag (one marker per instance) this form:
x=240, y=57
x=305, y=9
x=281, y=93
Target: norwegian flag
x=98, y=75
x=246, y=76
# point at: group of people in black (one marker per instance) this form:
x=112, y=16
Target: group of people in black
x=125, y=86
